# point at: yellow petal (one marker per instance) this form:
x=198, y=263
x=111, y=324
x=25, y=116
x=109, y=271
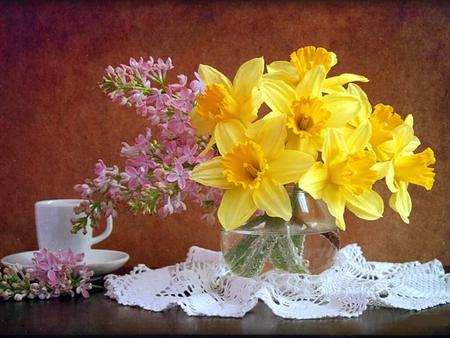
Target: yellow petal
x=270, y=134
x=311, y=85
x=390, y=176
x=315, y=180
x=334, y=147
x=210, y=75
x=306, y=145
x=278, y=95
x=228, y=134
x=400, y=201
x=285, y=70
x=281, y=66
x=203, y=127
x=311, y=146
x=368, y=205
x=273, y=198
x=366, y=107
x=385, y=150
x=248, y=110
x=335, y=83
x=335, y=201
x=409, y=120
x=359, y=138
x=279, y=76
x=382, y=168
x=403, y=135
x=210, y=173
x=252, y=130
x=290, y=166
x=415, y=168
x=248, y=77
x=412, y=145
x=236, y=208
x=343, y=108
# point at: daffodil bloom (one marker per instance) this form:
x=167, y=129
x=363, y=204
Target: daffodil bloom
x=384, y=121
x=305, y=59
x=308, y=112
x=407, y=167
x=253, y=168
x=346, y=176
x=224, y=106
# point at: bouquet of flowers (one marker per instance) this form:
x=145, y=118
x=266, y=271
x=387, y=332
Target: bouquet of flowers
x=208, y=143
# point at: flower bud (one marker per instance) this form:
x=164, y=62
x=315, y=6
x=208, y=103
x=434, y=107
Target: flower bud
x=18, y=297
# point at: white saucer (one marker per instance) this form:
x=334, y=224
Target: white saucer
x=100, y=261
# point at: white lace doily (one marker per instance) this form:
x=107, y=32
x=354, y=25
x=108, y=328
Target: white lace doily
x=203, y=286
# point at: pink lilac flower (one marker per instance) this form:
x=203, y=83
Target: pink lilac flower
x=167, y=208
x=197, y=84
x=100, y=168
x=179, y=175
x=178, y=204
x=190, y=154
x=157, y=165
x=84, y=190
x=108, y=209
x=57, y=272
x=137, y=176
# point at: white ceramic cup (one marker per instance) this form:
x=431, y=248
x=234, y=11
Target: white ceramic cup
x=53, y=227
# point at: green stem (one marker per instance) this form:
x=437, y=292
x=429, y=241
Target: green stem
x=97, y=286
x=248, y=257
x=287, y=252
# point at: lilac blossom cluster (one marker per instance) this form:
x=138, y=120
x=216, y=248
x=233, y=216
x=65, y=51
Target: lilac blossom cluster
x=52, y=274
x=155, y=179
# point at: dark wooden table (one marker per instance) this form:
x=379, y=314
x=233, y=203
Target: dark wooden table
x=100, y=315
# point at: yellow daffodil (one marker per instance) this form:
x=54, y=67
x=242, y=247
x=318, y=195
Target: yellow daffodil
x=407, y=167
x=308, y=112
x=346, y=176
x=384, y=121
x=226, y=107
x=305, y=59
x=253, y=168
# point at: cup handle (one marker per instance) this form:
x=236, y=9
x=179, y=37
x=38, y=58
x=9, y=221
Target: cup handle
x=105, y=234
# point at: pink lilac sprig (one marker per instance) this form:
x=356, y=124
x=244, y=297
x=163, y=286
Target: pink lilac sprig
x=52, y=274
x=156, y=177
x=101, y=195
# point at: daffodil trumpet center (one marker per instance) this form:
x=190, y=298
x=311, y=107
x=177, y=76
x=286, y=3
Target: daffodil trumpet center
x=307, y=117
x=305, y=59
x=253, y=172
x=415, y=169
x=383, y=121
x=216, y=103
x=354, y=173
x=245, y=165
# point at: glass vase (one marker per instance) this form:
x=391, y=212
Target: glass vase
x=307, y=243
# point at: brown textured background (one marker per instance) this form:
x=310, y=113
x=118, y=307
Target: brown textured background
x=55, y=122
